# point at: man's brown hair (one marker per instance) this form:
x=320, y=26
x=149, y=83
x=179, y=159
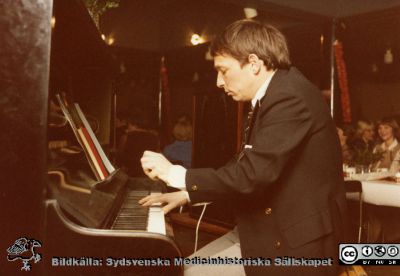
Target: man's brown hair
x=245, y=37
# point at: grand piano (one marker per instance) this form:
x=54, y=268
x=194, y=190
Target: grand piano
x=48, y=193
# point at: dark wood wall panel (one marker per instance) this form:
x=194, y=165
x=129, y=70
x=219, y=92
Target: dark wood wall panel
x=374, y=85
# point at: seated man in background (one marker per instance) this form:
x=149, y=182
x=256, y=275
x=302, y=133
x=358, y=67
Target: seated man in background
x=347, y=154
x=137, y=138
x=120, y=126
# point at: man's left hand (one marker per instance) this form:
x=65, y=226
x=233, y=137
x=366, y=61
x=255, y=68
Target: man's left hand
x=171, y=200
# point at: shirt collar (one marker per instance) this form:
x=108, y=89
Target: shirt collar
x=392, y=145
x=262, y=90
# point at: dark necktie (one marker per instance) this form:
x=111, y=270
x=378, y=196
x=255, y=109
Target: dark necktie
x=251, y=116
x=247, y=125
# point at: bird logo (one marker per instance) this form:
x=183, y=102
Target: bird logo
x=24, y=249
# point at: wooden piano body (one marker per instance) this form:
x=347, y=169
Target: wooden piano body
x=67, y=239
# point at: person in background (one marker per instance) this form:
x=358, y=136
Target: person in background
x=346, y=152
x=120, y=126
x=387, y=131
x=384, y=222
x=364, y=137
x=180, y=151
x=287, y=181
x=137, y=138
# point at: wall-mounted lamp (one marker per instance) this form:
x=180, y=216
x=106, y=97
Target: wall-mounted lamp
x=110, y=40
x=53, y=22
x=196, y=39
x=388, y=56
x=250, y=12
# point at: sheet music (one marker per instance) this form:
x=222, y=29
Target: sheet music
x=98, y=161
x=106, y=161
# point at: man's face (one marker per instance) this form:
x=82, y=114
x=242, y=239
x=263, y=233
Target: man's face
x=237, y=81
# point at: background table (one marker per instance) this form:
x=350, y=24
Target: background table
x=379, y=192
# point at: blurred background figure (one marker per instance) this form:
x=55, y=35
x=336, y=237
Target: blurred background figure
x=180, y=151
x=344, y=134
x=364, y=136
x=362, y=146
x=120, y=126
x=389, y=146
x=137, y=138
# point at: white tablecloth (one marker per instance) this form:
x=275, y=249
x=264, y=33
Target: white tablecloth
x=379, y=192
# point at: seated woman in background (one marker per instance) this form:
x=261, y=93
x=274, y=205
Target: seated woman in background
x=384, y=222
x=362, y=145
x=180, y=151
x=387, y=131
x=364, y=137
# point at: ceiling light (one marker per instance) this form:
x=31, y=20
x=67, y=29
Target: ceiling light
x=250, y=12
x=196, y=39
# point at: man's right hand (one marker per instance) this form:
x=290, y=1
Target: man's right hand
x=155, y=165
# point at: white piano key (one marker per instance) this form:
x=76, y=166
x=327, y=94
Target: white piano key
x=156, y=220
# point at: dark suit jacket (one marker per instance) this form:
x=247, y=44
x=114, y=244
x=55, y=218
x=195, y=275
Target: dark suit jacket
x=288, y=187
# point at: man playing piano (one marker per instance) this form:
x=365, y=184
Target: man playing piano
x=286, y=182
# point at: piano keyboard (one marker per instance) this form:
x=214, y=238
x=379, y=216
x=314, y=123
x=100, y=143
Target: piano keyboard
x=133, y=216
